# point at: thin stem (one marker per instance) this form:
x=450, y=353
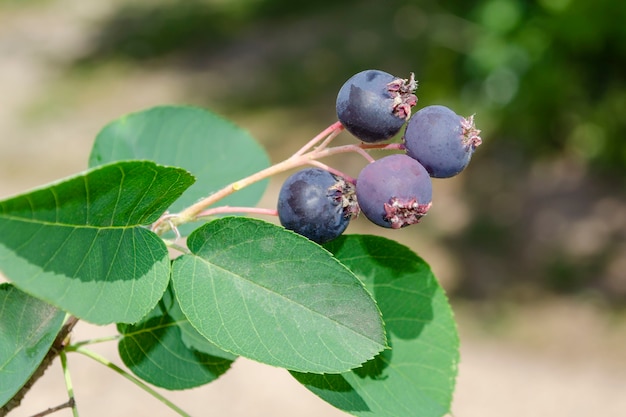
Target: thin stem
x=191, y=212
x=361, y=152
x=335, y=128
x=383, y=146
x=330, y=138
x=120, y=371
x=304, y=156
x=71, y=403
x=344, y=149
x=332, y=170
x=68, y=383
x=229, y=209
x=167, y=218
x=173, y=245
x=111, y=338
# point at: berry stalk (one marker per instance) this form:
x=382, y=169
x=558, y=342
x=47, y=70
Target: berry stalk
x=307, y=155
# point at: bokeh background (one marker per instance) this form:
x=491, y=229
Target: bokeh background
x=529, y=242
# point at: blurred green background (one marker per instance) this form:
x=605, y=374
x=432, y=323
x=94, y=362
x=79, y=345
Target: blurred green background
x=542, y=207
x=538, y=217
x=544, y=199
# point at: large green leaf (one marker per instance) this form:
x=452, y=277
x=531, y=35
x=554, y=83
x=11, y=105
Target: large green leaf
x=190, y=337
x=154, y=350
x=260, y=291
x=79, y=244
x=416, y=377
x=28, y=327
x=213, y=149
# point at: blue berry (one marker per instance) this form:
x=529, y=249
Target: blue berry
x=316, y=204
x=441, y=140
x=374, y=105
x=394, y=191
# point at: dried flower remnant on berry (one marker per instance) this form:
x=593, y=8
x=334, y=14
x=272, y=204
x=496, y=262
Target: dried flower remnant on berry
x=471, y=135
x=401, y=212
x=344, y=192
x=402, y=91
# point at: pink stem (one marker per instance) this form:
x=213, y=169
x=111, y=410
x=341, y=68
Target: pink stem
x=164, y=218
x=329, y=138
x=332, y=170
x=229, y=209
x=332, y=130
x=300, y=158
x=343, y=149
x=383, y=146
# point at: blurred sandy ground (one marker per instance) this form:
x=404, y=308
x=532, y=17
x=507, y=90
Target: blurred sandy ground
x=554, y=358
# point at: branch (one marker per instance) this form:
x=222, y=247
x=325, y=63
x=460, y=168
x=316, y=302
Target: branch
x=57, y=346
x=307, y=155
x=128, y=376
x=68, y=404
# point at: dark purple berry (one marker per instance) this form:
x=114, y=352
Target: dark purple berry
x=394, y=191
x=316, y=204
x=374, y=105
x=441, y=140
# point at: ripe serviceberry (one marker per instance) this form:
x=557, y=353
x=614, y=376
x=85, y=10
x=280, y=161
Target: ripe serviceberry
x=316, y=204
x=394, y=191
x=374, y=105
x=441, y=140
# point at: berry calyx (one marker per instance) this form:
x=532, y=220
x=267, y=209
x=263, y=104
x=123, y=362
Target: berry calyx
x=403, y=95
x=403, y=212
x=471, y=135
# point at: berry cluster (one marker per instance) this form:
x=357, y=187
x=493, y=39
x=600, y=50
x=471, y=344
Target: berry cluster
x=394, y=191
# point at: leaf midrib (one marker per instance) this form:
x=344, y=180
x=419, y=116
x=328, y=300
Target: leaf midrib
x=76, y=226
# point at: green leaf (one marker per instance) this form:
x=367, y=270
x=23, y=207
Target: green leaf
x=79, y=244
x=190, y=337
x=262, y=292
x=416, y=377
x=214, y=150
x=28, y=327
x=154, y=350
